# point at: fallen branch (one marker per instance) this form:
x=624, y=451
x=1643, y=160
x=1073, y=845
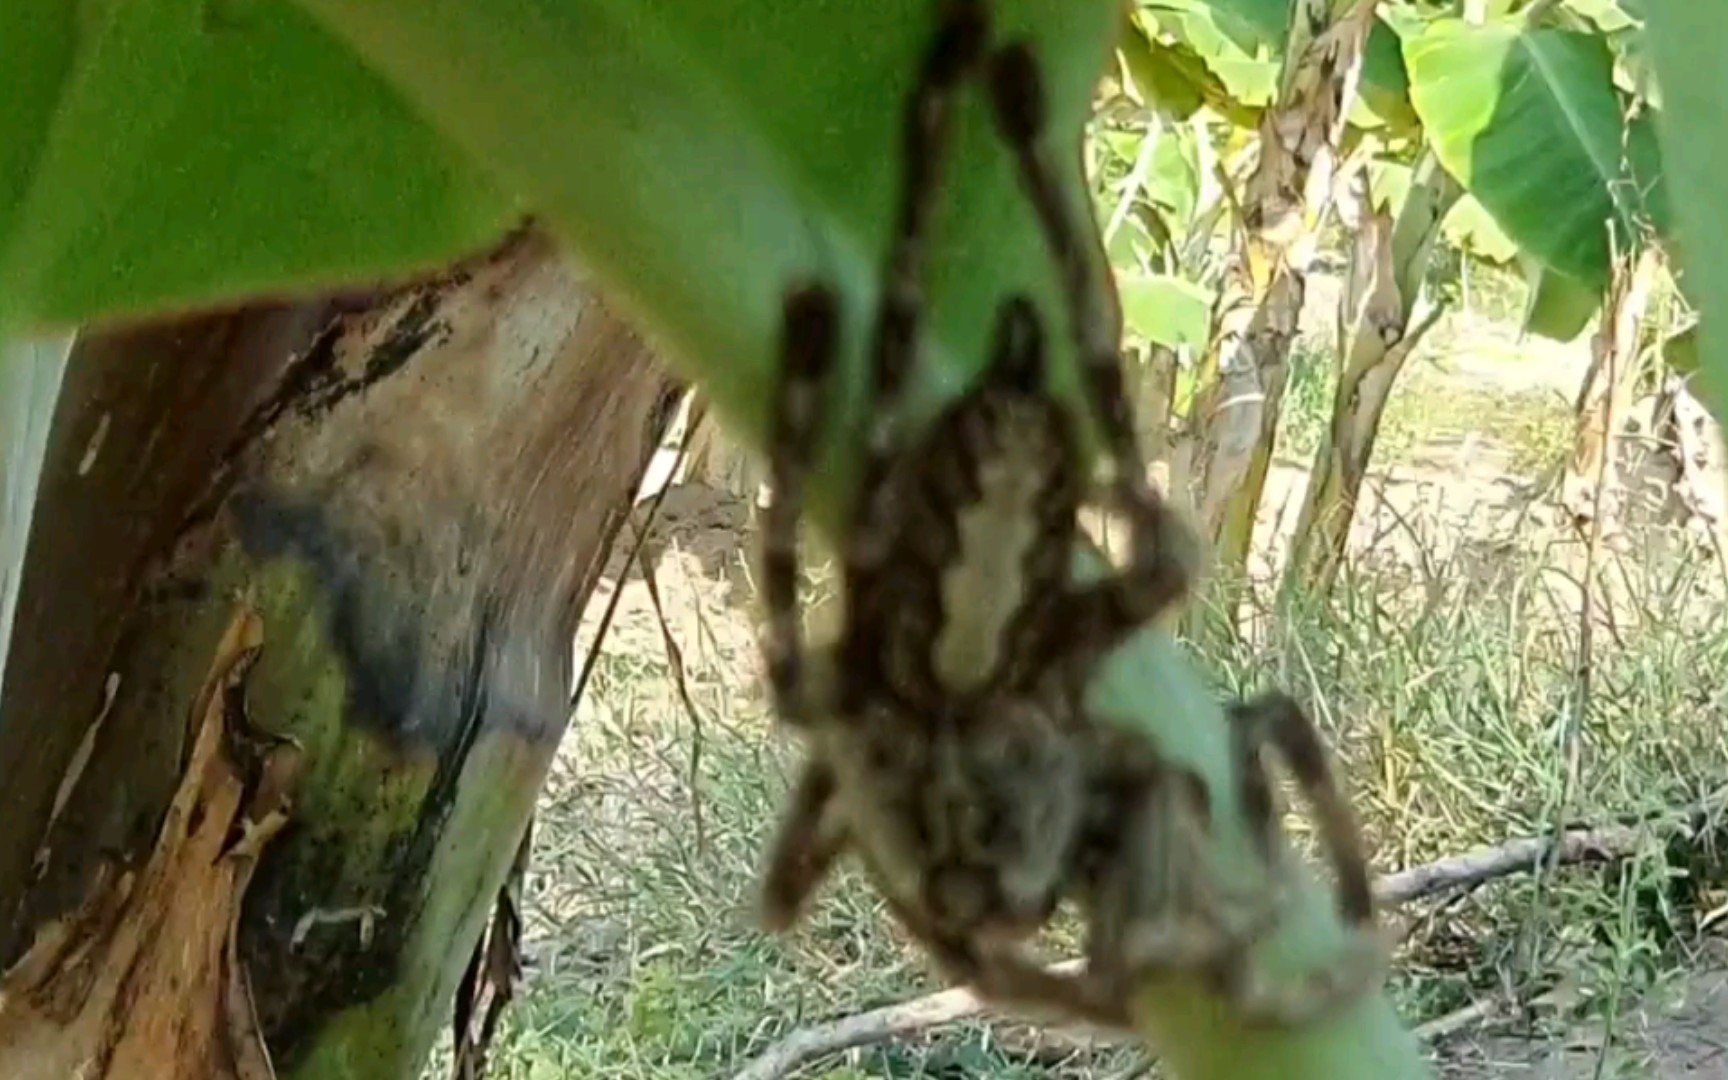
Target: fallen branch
x=1578, y=844
x=1458, y=872
x=1469, y=1016
x=862, y=1029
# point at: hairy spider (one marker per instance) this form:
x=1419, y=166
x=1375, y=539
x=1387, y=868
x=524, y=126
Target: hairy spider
x=947, y=744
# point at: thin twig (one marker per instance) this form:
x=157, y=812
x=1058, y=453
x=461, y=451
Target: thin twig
x=1579, y=844
x=1456, y=873
x=675, y=660
x=640, y=536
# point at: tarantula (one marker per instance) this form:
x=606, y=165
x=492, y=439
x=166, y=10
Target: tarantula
x=948, y=748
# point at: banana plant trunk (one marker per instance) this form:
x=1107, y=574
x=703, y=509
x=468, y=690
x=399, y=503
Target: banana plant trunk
x=1377, y=332
x=1237, y=413
x=291, y=656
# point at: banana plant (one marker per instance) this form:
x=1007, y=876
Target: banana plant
x=1378, y=330
x=1521, y=106
x=1301, y=119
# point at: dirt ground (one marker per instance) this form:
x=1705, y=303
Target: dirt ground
x=1684, y=1037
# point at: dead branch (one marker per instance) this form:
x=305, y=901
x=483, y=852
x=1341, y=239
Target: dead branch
x=1473, y=868
x=862, y=1029
x=1456, y=873
x=1467, y=1017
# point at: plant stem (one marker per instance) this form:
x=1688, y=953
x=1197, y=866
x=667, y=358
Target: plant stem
x=1151, y=686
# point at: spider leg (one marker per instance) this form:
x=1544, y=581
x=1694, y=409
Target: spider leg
x=1360, y=967
x=809, y=349
x=1163, y=554
x=803, y=852
x=1017, y=355
x=1151, y=905
x=1152, y=909
x=1018, y=102
x=925, y=140
x=1139, y=865
x=1008, y=979
x=1275, y=718
x=1253, y=781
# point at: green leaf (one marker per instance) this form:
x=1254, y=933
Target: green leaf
x=1388, y=184
x=1134, y=247
x=1682, y=352
x=1123, y=146
x=1173, y=184
x=1688, y=42
x=1168, y=310
x=1236, y=51
x=1471, y=228
x=1167, y=185
x=33, y=78
x=158, y=154
x=1383, y=94
x=1168, y=78
x=704, y=158
x=1248, y=25
x=1529, y=123
x=1243, y=42
x=1559, y=307
x=1467, y=225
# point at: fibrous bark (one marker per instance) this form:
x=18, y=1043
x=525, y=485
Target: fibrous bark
x=1281, y=206
x=1377, y=332
x=292, y=655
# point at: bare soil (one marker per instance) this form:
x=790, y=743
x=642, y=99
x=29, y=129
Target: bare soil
x=1682, y=1037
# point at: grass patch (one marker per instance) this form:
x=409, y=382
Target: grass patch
x=1447, y=693
x=1306, y=410
x=1450, y=695
x=1534, y=425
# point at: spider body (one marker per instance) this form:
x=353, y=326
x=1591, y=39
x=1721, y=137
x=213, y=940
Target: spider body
x=947, y=746
x=936, y=726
